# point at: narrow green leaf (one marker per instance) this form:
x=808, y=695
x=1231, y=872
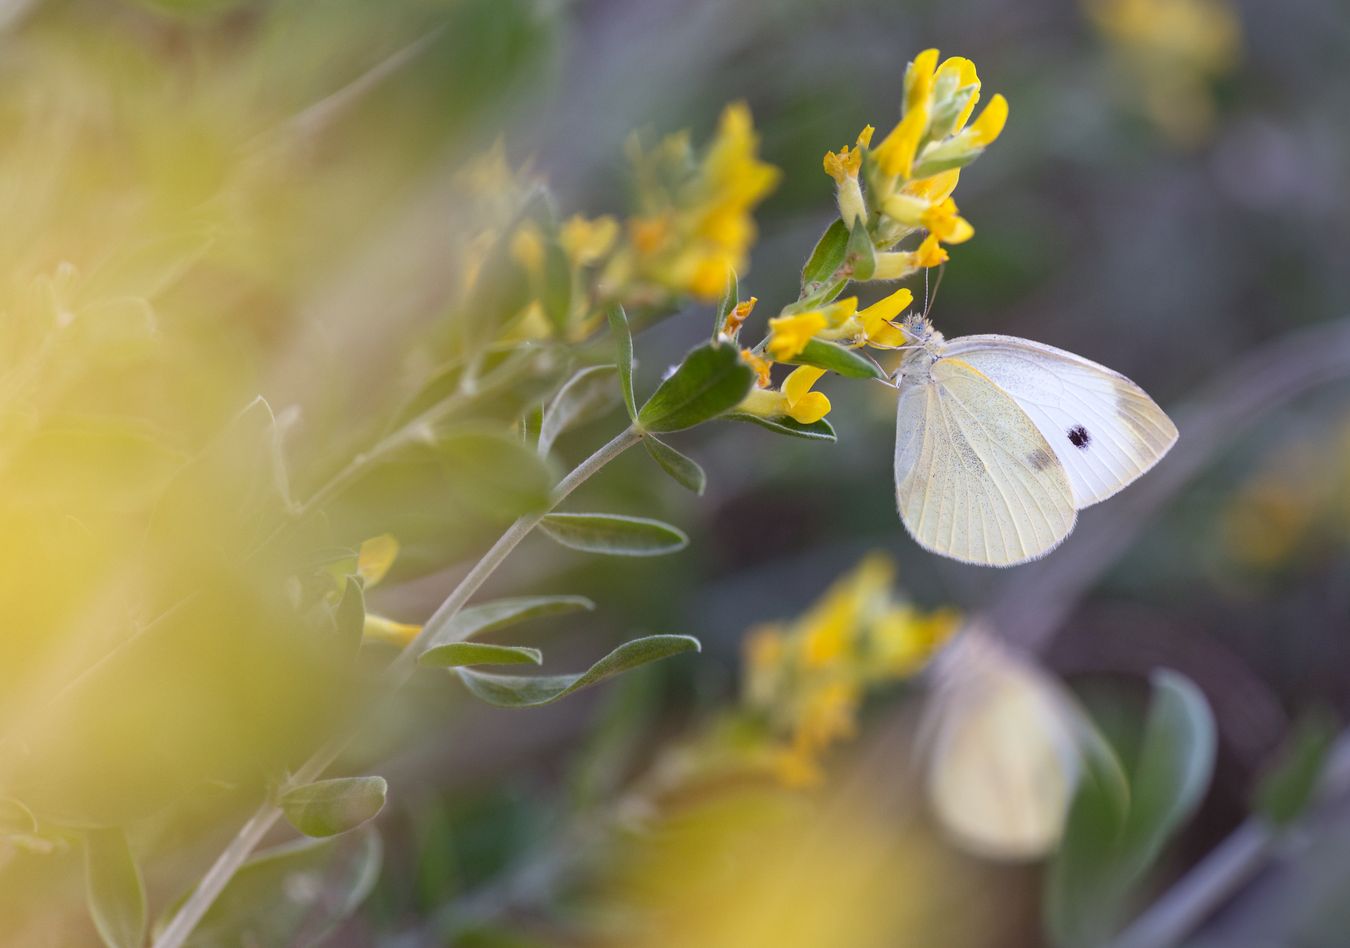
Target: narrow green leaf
x=613, y=534
x=499, y=613
x=827, y=257
x=586, y=396
x=492, y=471
x=846, y=362
x=623, y=356
x=730, y=299
x=1176, y=759
x=329, y=807
x=1287, y=787
x=113, y=888
x=861, y=254
x=712, y=379
x=818, y=431
x=460, y=654
x=685, y=471
x=293, y=894
x=514, y=691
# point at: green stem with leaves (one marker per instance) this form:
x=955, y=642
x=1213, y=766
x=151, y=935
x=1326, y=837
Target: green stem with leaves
x=251, y=834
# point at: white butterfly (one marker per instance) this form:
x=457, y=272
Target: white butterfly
x=1001, y=441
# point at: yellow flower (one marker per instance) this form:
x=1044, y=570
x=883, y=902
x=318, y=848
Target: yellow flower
x=895, y=154
x=788, y=335
x=989, y=125
x=527, y=247
x=375, y=558
x=794, y=400
x=929, y=253
x=942, y=222
x=586, y=241
x=697, y=226
x=380, y=629
x=875, y=320
x=843, y=164
x=738, y=315
x=803, y=405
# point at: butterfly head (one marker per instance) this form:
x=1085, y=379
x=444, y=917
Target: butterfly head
x=924, y=345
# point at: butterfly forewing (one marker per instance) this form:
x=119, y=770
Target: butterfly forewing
x=1102, y=427
x=974, y=477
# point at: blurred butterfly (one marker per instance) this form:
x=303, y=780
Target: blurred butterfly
x=1001, y=441
x=1005, y=747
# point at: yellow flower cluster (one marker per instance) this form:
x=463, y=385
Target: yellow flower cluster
x=696, y=227
x=807, y=678
x=886, y=194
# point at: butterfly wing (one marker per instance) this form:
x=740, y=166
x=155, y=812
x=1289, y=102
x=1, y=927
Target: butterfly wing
x=1102, y=427
x=974, y=477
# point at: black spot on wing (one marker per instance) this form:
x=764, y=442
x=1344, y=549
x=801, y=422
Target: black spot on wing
x=1079, y=437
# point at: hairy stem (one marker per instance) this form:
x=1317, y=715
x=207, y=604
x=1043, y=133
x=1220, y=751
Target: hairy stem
x=396, y=675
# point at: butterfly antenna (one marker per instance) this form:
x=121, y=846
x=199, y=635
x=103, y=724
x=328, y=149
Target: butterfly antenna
x=929, y=301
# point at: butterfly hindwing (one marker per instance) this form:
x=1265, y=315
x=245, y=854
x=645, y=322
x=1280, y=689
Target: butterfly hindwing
x=1103, y=428
x=975, y=479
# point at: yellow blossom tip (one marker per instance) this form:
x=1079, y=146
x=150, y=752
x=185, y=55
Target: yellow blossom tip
x=919, y=79
x=865, y=136
x=788, y=335
x=930, y=253
x=990, y=123
x=761, y=366
x=375, y=558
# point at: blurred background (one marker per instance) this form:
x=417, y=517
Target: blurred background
x=231, y=198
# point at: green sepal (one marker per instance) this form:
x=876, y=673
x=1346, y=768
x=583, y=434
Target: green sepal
x=623, y=356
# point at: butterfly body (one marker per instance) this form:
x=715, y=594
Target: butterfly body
x=1000, y=442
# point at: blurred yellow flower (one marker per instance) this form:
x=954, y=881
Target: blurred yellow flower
x=788, y=335
x=586, y=241
x=696, y=226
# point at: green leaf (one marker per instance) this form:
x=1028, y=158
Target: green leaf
x=817, y=431
x=514, y=691
x=1081, y=874
x=613, y=534
x=555, y=285
x=1176, y=759
x=730, y=299
x=861, y=254
x=498, y=614
x=492, y=471
x=1287, y=787
x=712, y=379
x=292, y=895
x=329, y=807
x=846, y=362
x=827, y=257
x=113, y=888
x=685, y=471
x=459, y=654
x=1108, y=847
x=623, y=357
x=586, y=396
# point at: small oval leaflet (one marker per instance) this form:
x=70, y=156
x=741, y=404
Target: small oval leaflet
x=329, y=807
x=461, y=654
x=499, y=613
x=517, y=691
x=614, y=534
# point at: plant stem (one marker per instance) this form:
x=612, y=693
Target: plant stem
x=176, y=933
